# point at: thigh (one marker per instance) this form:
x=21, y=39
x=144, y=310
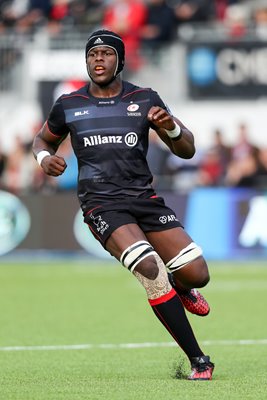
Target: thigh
x=122, y=238
x=169, y=243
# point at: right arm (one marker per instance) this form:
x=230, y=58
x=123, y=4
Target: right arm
x=46, y=141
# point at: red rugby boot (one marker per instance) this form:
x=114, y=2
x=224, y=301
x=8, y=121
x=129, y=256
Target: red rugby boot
x=202, y=369
x=194, y=302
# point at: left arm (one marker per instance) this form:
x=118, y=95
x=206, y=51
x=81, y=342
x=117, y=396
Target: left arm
x=183, y=144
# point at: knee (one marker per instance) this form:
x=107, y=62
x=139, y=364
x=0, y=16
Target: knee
x=148, y=268
x=193, y=275
x=199, y=274
x=203, y=278
x=140, y=257
x=153, y=276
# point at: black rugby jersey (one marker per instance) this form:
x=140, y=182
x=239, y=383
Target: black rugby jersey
x=110, y=139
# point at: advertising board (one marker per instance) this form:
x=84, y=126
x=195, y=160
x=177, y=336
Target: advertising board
x=226, y=223
x=227, y=70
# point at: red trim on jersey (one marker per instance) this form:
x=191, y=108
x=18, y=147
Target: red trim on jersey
x=154, y=197
x=135, y=91
x=163, y=299
x=52, y=132
x=76, y=95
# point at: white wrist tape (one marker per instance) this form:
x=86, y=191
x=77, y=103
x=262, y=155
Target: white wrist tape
x=175, y=133
x=42, y=155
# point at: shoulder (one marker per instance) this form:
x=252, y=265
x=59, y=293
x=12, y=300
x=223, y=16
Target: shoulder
x=129, y=89
x=81, y=93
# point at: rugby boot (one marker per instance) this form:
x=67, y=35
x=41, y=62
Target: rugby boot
x=192, y=300
x=202, y=369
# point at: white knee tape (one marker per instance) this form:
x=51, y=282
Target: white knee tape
x=186, y=255
x=135, y=253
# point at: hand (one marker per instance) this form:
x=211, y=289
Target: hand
x=53, y=165
x=161, y=118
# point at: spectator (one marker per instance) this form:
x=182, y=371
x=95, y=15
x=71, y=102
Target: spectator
x=18, y=172
x=214, y=163
x=221, y=6
x=127, y=18
x=193, y=10
x=253, y=171
x=244, y=173
x=223, y=150
x=244, y=163
x=11, y=11
x=37, y=15
x=159, y=28
x=236, y=20
x=243, y=147
x=259, y=18
x=86, y=13
x=210, y=169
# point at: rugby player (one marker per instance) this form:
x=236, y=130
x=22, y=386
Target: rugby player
x=109, y=122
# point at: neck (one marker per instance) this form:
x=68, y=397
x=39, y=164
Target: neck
x=111, y=90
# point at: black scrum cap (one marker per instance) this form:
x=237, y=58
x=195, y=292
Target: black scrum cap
x=110, y=39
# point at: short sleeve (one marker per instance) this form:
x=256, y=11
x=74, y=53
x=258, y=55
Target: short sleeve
x=157, y=101
x=56, y=120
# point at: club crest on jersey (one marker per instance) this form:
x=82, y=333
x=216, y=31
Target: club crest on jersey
x=132, y=108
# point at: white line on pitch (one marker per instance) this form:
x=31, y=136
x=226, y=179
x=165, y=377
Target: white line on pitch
x=131, y=345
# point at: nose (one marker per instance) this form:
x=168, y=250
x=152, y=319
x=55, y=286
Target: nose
x=99, y=55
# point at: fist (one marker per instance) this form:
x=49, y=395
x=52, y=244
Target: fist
x=161, y=118
x=54, y=165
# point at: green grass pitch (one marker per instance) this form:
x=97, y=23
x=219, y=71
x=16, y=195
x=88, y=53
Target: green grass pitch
x=47, y=310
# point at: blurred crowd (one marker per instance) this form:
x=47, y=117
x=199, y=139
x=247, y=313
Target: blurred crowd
x=141, y=23
x=240, y=165
x=29, y=15
x=146, y=26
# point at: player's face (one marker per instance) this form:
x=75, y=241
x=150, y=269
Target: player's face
x=101, y=64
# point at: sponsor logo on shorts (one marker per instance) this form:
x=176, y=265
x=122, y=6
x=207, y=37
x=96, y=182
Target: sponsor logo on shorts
x=101, y=225
x=164, y=219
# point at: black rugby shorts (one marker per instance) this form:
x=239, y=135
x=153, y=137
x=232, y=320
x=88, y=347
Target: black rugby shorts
x=151, y=215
